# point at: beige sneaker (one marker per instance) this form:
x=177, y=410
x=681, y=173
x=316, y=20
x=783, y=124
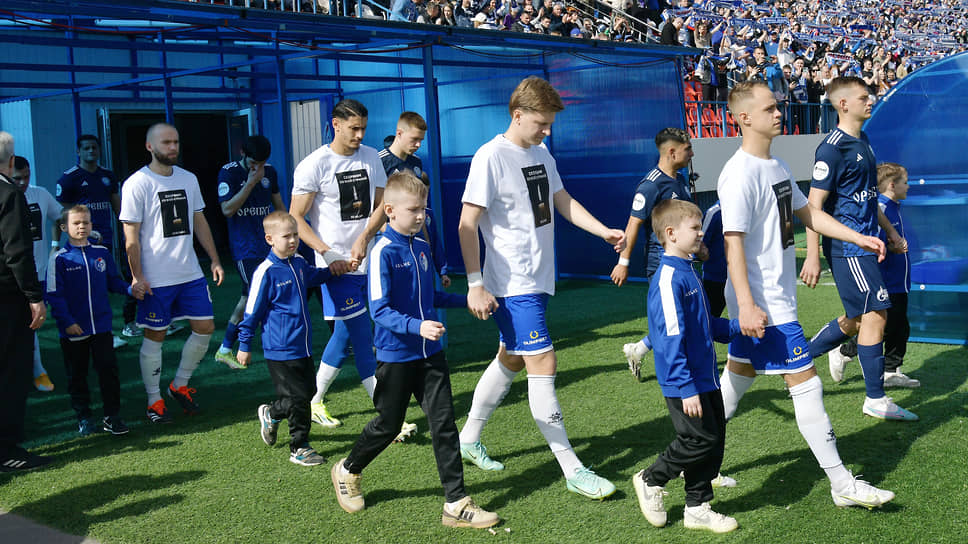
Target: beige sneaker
x=650, y=500
x=703, y=517
x=348, y=492
x=467, y=514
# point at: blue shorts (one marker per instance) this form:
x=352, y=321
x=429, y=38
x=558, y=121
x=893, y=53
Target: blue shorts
x=344, y=297
x=189, y=300
x=860, y=284
x=246, y=270
x=782, y=350
x=521, y=321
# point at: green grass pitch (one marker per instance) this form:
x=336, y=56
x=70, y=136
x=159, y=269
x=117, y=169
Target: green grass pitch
x=210, y=479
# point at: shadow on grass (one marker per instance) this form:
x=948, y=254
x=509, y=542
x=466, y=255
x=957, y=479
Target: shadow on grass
x=76, y=509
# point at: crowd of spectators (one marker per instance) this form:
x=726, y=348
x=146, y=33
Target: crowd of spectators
x=796, y=46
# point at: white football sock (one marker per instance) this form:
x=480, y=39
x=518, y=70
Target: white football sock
x=733, y=386
x=547, y=414
x=324, y=377
x=150, y=359
x=195, y=348
x=490, y=391
x=816, y=429
x=369, y=384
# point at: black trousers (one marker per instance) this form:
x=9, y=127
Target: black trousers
x=295, y=382
x=716, y=293
x=697, y=449
x=98, y=348
x=16, y=368
x=896, y=333
x=428, y=380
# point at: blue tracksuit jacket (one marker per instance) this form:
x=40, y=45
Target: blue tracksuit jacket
x=78, y=281
x=402, y=295
x=277, y=301
x=681, y=330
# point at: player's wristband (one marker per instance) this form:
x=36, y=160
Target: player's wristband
x=475, y=279
x=623, y=261
x=332, y=256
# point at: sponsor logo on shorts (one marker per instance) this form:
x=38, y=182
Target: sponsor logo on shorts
x=799, y=354
x=882, y=295
x=536, y=338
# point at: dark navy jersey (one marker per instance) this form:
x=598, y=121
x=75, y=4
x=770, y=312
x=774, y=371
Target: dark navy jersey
x=246, y=237
x=393, y=163
x=714, y=268
x=654, y=188
x=846, y=167
x=896, y=267
x=94, y=190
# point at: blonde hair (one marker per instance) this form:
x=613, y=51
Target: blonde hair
x=671, y=213
x=742, y=92
x=404, y=182
x=411, y=119
x=534, y=94
x=277, y=219
x=888, y=173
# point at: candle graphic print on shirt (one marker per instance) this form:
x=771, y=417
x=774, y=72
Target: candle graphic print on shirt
x=354, y=194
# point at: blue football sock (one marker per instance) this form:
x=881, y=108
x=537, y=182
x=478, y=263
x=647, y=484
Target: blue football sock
x=829, y=337
x=361, y=334
x=872, y=363
x=231, y=335
x=335, y=352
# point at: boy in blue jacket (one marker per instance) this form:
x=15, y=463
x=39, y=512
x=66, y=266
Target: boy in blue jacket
x=277, y=302
x=410, y=359
x=685, y=366
x=79, y=277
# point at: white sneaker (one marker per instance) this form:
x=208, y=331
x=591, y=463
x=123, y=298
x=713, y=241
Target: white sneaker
x=884, y=408
x=898, y=379
x=650, y=500
x=406, y=431
x=703, y=517
x=634, y=353
x=860, y=493
x=723, y=481
x=119, y=342
x=838, y=362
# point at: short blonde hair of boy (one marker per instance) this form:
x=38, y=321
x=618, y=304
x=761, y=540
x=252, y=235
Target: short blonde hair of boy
x=889, y=172
x=671, y=213
x=404, y=182
x=76, y=208
x=277, y=219
x=534, y=94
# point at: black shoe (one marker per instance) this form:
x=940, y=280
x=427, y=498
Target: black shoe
x=184, y=397
x=18, y=459
x=115, y=425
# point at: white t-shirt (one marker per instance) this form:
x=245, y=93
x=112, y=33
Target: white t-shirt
x=757, y=197
x=345, y=188
x=517, y=187
x=43, y=209
x=165, y=207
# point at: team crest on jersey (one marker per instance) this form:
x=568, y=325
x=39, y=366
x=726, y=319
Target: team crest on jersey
x=417, y=171
x=106, y=181
x=638, y=202
x=820, y=171
x=882, y=295
x=100, y=265
x=223, y=189
x=423, y=261
x=265, y=182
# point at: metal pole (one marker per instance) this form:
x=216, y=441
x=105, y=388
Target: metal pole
x=169, y=106
x=285, y=123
